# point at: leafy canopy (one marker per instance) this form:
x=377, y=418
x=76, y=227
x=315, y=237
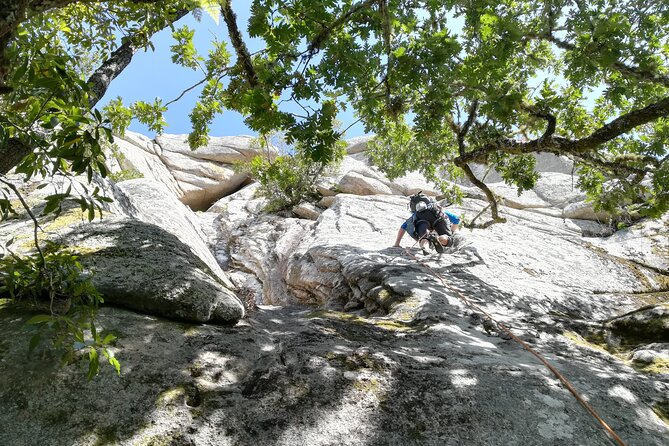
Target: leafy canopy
x=441, y=83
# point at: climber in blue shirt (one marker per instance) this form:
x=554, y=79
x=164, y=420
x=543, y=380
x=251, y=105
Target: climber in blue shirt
x=422, y=221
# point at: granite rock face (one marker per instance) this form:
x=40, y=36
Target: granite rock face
x=196, y=177
x=145, y=268
x=149, y=255
x=356, y=341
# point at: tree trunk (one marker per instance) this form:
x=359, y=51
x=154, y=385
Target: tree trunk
x=14, y=150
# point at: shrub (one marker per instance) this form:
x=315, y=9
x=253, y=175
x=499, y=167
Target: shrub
x=289, y=178
x=54, y=276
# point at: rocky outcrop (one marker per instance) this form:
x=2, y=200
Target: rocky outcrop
x=359, y=342
x=197, y=177
x=645, y=243
x=148, y=255
x=355, y=234
x=145, y=268
x=338, y=379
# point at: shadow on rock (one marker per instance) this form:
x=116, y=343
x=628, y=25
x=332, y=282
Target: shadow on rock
x=145, y=268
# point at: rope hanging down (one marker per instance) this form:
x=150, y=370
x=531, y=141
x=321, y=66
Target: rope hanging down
x=523, y=344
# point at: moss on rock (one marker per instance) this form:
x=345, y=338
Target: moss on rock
x=171, y=396
x=661, y=409
x=658, y=365
x=386, y=324
x=370, y=385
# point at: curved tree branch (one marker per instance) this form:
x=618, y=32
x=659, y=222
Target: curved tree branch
x=325, y=32
x=461, y=132
x=622, y=124
x=471, y=117
x=14, y=150
x=486, y=190
x=576, y=147
x=550, y=119
x=118, y=60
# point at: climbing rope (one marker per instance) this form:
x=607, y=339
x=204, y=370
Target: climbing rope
x=523, y=344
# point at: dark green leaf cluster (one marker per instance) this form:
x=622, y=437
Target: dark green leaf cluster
x=516, y=170
x=441, y=84
x=56, y=279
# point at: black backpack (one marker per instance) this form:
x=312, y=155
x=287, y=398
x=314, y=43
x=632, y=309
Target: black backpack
x=430, y=212
x=420, y=197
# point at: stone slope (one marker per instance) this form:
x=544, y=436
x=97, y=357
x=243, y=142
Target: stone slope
x=290, y=376
x=368, y=345
x=148, y=253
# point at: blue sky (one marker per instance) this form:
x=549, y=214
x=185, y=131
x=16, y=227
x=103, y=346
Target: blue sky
x=153, y=74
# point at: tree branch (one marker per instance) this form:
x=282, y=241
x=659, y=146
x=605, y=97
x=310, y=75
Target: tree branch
x=619, y=164
x=635, y=72
x=14, y=150
x=461, y=132
x=471, y=117
x=325, y=32
x=550, y=119
x=486, y=190
x=36, y=224
x=243, y=56
x=186, y=91
x=622, y=124
x=118, y=60
x=578, y=147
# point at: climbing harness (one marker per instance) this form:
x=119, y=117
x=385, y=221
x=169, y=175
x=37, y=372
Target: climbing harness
x=523, y=344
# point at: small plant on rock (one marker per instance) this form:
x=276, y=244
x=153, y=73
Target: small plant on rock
x=53, y=279
x=290, y=177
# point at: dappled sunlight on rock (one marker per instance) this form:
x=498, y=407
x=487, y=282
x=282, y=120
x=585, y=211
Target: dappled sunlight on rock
x=622, y=393
x=349, y=340
x=461, y=378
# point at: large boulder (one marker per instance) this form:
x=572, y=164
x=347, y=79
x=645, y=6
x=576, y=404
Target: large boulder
x=558, y=189
x=151, y=202
x=197, y=177
x=145, y=268
x=149, y=254
x=585, y=211
x=644, y=243
x=358, y=184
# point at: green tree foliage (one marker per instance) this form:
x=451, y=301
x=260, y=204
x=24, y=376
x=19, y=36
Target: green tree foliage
x=55, y=276
x=445, y=84
x=288, y=178
x=56, y=60
x=441, y=83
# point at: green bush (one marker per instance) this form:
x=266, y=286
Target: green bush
x=54, y=277
x=289, y=178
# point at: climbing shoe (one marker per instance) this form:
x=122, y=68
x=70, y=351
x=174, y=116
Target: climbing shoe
x=435, y=242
